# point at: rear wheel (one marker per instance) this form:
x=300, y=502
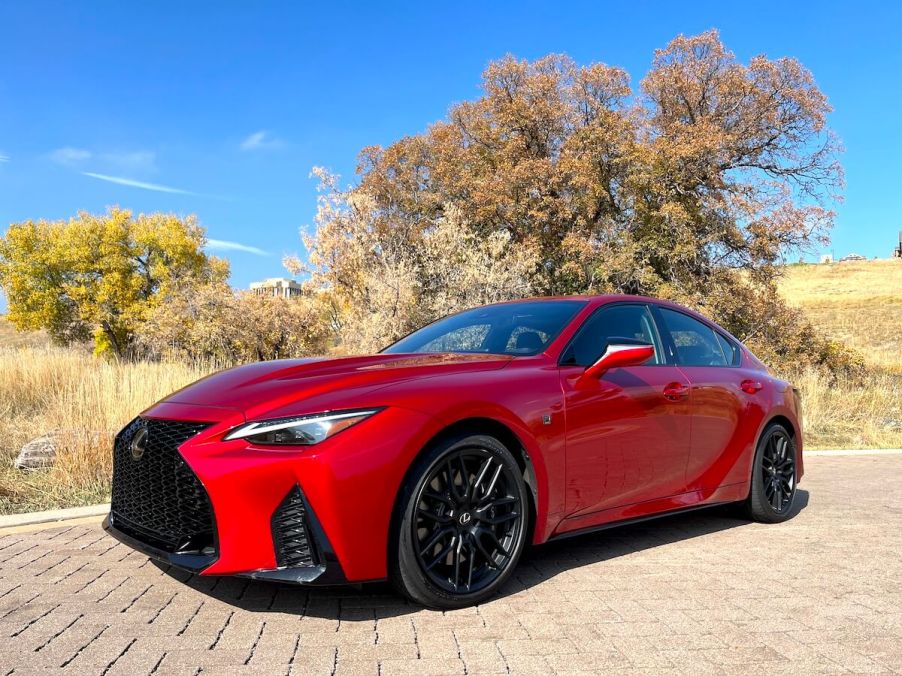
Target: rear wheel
x=773, y=486
x=463, y=525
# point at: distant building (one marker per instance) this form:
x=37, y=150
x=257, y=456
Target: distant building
x=897, y=252
x=826, y=258
x=277, y=287
x=848, y=258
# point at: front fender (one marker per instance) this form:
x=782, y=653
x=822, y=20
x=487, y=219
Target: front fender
x=541, y=442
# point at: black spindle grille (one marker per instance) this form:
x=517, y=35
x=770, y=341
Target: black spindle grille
x=157, y=498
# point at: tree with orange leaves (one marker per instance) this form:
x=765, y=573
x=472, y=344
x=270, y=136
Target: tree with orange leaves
x=696, y=187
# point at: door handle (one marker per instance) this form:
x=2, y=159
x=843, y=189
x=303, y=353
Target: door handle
x=675, y=391
x=750, y=386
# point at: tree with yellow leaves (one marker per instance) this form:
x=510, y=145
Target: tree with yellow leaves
x=100, y=275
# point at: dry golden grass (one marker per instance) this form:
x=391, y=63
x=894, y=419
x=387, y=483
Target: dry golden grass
x=861, y=412
x=88, y=400
x=43, y=389
x=859, y=304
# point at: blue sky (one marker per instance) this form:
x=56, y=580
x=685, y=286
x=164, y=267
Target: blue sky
x=221, y=109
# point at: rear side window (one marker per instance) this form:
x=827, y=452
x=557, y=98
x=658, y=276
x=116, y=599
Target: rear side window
x=609, y=326
x=696, y=343
x=730, y=349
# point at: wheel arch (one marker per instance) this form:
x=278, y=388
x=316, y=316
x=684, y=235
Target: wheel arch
x=494, y=428
x=780, y=419
x=476, y=425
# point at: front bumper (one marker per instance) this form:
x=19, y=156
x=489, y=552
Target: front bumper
x=348, y=486
x=326, y=571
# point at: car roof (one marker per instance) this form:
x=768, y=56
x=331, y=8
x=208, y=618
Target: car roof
x=598, y=299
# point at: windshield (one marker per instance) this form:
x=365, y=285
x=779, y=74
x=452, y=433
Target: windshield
x=522, y=328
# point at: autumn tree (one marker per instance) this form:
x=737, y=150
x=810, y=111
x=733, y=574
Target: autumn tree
x=695, y=187
x=214, y=323
x=100, y=275
x=378, y=284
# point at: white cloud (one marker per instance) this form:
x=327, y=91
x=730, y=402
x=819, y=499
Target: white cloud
x=69, y=155
x=141, y=160
x=138, y=184
x=260, y=140
x=225, y=245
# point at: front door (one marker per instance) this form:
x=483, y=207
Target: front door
x=628, y=431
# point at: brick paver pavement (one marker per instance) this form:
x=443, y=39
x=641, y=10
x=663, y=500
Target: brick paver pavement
x=702, y=593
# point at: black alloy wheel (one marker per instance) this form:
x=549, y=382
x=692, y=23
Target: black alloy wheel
x=778, y=471
x=773, y=487
x=465, y=524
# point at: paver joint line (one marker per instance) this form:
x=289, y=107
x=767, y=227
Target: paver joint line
x=702, y=592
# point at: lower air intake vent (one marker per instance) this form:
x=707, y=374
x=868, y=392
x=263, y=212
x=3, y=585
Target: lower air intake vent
x=290, y=535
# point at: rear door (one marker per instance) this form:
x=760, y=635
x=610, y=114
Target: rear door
x=710, y=361
x=628, y=431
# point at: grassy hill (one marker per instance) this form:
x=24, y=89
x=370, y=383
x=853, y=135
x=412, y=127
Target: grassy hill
x=859, y=304
x=9, y=337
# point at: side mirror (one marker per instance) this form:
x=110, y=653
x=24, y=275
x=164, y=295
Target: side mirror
x=618, y=355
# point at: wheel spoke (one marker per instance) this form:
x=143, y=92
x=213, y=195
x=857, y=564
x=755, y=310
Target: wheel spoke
x=490, y=561
x=491, y=487
x=498, y=520
x=464, y=478
x=498, y=502
x=457, y=551
x=452, y=484
x=437, y=497
x=497, y=542
x=481, y=475
x=436, y=538
x=442, y=554
x=438, y=518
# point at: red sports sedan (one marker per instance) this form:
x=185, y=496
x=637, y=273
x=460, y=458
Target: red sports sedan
x=434, y=462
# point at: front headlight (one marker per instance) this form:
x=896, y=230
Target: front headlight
x=300, y=430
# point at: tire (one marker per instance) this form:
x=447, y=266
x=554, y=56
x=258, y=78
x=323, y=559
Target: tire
x=456, y=543
x=774, y=477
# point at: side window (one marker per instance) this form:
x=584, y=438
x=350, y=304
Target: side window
x=730, y=350
x=618, y=323
x=696, y=343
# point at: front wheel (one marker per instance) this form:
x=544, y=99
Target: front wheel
x=773, y=486
x=463, y=525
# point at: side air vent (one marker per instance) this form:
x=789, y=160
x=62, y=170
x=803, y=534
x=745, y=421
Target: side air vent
x=290, y=534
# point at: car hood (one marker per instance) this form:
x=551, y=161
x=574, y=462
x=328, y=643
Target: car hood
x=258, y=388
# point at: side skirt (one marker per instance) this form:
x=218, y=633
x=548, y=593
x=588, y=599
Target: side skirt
x=651, y=509
x=628, y=522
